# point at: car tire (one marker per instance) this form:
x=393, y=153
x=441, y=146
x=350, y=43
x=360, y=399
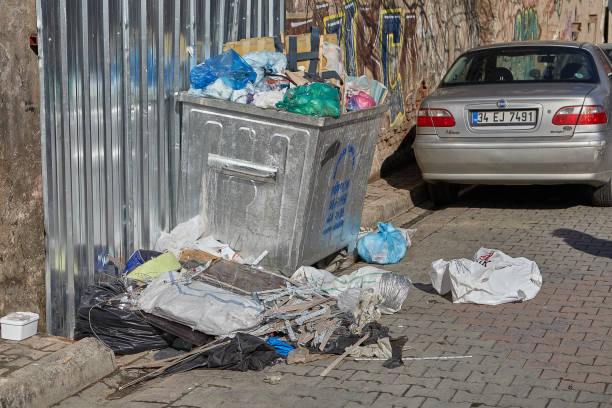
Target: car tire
x=602, y=196
x=443, y=193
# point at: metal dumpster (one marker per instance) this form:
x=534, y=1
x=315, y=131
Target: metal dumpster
x=271, y=180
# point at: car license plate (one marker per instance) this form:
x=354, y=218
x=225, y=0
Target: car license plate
x=504, y=117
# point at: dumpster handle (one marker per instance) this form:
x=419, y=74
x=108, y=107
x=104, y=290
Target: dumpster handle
x=242, y=168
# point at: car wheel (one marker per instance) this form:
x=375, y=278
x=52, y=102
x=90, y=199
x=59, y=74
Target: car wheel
x=602, y=196
x=443, y=193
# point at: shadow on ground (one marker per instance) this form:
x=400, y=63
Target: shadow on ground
x=585, y=242
x=537, y=197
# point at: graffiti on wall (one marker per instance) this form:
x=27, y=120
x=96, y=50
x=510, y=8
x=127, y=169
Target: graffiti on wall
x=409, y=44
x=391, y=36
x=343, y=24
x=526, y=25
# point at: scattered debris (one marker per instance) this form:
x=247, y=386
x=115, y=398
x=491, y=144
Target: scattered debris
x=303, y=355
x=272, y=379
x=343, y=355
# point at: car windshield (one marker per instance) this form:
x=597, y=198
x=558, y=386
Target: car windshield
x=522, y=64
x=608, y=52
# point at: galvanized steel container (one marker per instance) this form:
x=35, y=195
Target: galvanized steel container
x=271, y=180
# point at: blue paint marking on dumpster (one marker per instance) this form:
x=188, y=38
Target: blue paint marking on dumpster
x=339, y=194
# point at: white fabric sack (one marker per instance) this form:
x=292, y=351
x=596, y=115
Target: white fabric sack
x=391, y=287
x=490, y=278
x=202, y=307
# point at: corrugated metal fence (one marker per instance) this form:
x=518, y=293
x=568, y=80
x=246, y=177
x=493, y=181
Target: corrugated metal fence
x=108, y=73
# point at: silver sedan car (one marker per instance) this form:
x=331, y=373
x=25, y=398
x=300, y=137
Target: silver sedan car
x=519, y=113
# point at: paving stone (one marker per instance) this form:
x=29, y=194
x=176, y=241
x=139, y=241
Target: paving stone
x=556, y=403
x=586, y=396
x=385, y=400
x=565, y=395
x=441, y=394
x=511, y=401
x=436, y=403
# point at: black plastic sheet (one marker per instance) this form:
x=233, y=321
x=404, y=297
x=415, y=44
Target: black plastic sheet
x=244, y=352
x=343, y=338
x=103, y=316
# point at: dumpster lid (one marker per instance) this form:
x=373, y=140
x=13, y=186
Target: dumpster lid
x=282, y=115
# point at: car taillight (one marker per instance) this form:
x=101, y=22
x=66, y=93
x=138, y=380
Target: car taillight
x=580, y=115
x=435, y=117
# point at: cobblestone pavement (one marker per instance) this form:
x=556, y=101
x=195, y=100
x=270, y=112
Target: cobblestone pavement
x=15, y=355
x=552, y=351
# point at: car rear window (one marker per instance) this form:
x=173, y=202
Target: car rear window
x=522, y=64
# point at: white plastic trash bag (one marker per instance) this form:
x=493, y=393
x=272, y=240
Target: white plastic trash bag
x=212, y=246
x=392, y=288
x=202, y=307
x=490, y=278
x=182, y=236
x=266, y=62
x=268, y=99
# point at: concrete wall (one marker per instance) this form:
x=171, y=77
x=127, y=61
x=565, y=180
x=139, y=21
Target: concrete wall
x=408, y=44
x=22, y=251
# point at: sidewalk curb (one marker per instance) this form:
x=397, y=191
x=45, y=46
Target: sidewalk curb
x=58, y=375
x=393, y=203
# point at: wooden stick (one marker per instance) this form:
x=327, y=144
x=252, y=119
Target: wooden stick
x=160, y=370
x=330, y=330
x=343, y=355
x=299, y=306
x=211, y=279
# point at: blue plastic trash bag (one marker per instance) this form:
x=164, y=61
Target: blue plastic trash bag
x=388, y=246
x=266, y=62
x=138, y=258
x=229, y=67
x=280, y=346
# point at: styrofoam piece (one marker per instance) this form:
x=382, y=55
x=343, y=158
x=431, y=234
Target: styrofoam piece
x=19, y=325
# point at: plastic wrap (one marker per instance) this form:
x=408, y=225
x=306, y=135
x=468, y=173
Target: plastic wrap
x=348, y=287
x=393, y=290
x=266, y=63
x=230, y=67
x=182, y=236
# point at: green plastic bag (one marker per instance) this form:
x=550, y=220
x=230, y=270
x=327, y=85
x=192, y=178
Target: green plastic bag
x=315, y=99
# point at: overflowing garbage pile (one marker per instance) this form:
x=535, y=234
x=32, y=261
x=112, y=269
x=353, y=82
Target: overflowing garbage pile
x=262, y=78
x=199, y=299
